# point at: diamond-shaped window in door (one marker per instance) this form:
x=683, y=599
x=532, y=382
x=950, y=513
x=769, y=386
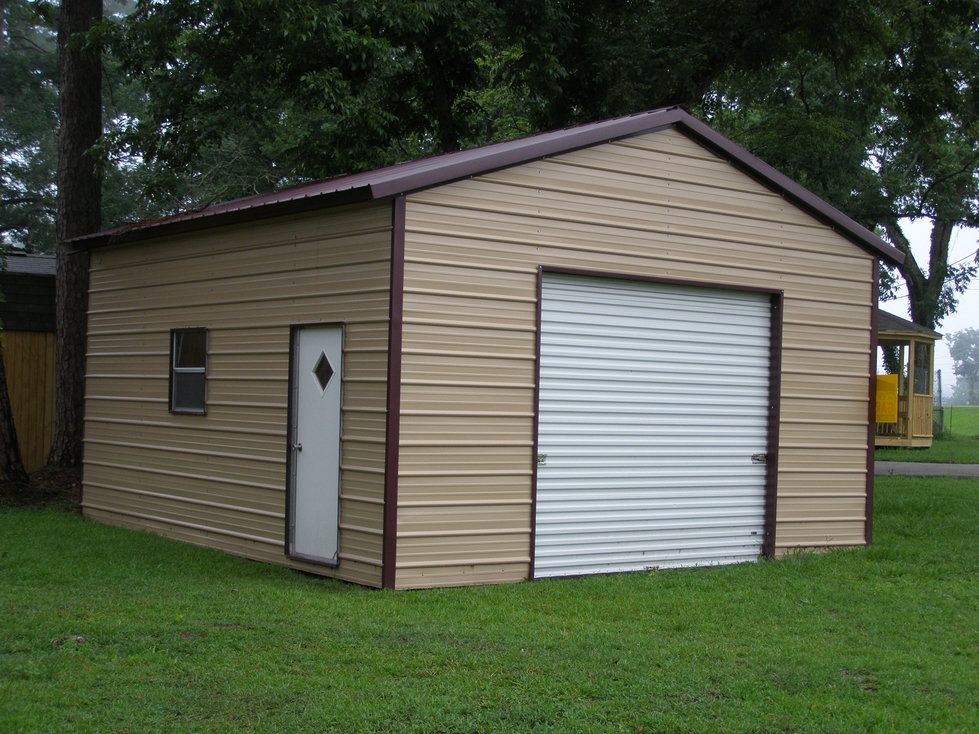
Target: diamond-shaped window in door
x=323, y=371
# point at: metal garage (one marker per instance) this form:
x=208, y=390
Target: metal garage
x=625, y=345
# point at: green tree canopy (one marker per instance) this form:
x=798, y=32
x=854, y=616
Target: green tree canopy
x=28, y=126
x=964, y=348
x=886, y=132
x=244, y=97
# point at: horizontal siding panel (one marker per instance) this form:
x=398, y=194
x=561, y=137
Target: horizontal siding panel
x=470, y=399
x=190, y=439
x=286, y=310
x=302, y=232
x=660, y=192
x=261, y=287
x=827, y=459
x=464, y=491
x=448, y=459
x=466, y=550
x=198, y=536
x=823, y=434
x=446, y=521
x=798, y=406
x=473, y=575
x=468, y=371
x=712, y=172
x=162, y=459
x=755, y=237
x=833, y=385
x=419, y=340
x=821, y=481
x=362, y=453
x=591, y=247
x=799, y=360
x=448, y=429
x=477, y=312
x=216, y=520
x=806, y=509
x=134, y=485
x=816, y=534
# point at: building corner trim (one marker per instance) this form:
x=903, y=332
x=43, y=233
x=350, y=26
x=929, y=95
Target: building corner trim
x=393, y=422
x=868, y=532
x=774, y=421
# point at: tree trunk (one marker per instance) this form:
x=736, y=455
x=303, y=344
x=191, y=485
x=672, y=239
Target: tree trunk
x=79, y=213
x=924, y=291
x=11, y=465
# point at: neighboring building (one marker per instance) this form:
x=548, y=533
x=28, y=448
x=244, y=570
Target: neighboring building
x=909, y=423
x=625, y=345
x=27, y=314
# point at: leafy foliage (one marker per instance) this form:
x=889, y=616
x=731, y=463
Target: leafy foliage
x=242, y=98
x=886, y=131
x=964, y=348
x=28, y=127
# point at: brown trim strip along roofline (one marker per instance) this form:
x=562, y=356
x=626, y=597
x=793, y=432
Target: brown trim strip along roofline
x=404, y=178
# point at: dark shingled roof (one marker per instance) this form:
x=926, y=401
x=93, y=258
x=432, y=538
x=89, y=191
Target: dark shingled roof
x=23, y=263
x=890, y=322
x=422, y=174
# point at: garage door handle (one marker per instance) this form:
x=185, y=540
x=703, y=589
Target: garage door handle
x=759, y=458
x=298, y=447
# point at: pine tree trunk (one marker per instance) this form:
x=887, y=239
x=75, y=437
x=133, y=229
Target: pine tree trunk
x=79, y=213
x=11, y=464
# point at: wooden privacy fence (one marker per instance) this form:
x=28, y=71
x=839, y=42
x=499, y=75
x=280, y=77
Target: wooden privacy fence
x=29, y=360
x=27, y=313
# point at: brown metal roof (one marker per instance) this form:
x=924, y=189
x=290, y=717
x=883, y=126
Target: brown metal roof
x=426, y=173
x=888, y=322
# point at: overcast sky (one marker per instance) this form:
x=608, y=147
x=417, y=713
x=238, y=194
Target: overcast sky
x=963, y=245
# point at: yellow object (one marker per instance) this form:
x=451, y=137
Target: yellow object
x=887, y=398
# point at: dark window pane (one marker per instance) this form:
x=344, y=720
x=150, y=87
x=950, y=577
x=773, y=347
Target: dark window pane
x=190, y=348
x=188, y=391
x=323, y=371
x=922, y=369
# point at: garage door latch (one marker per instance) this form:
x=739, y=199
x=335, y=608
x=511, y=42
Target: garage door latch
x=759, y=458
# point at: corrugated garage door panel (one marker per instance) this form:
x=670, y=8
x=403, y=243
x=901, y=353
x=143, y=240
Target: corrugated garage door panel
x=653, y=400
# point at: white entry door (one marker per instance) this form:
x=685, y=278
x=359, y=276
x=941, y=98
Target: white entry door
x=315, y=481
x=653, y=426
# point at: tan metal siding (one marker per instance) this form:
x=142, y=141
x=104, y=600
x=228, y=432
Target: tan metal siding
x=220, y=480
x=657, y=205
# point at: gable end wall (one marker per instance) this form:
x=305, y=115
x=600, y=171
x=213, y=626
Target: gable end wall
x=658, y=205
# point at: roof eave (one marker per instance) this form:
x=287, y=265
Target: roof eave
x=396, y=181
x=178, y=225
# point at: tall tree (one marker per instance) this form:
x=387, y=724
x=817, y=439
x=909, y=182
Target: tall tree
x=28, y=126
x=964, y=348
x=886, y=132
x=79, y=213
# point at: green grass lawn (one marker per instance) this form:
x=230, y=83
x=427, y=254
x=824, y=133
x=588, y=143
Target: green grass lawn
x=106, y=630
x=962, y=421
x=959, y=445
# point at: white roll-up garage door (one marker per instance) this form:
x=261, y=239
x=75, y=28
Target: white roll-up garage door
x=653, y=423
